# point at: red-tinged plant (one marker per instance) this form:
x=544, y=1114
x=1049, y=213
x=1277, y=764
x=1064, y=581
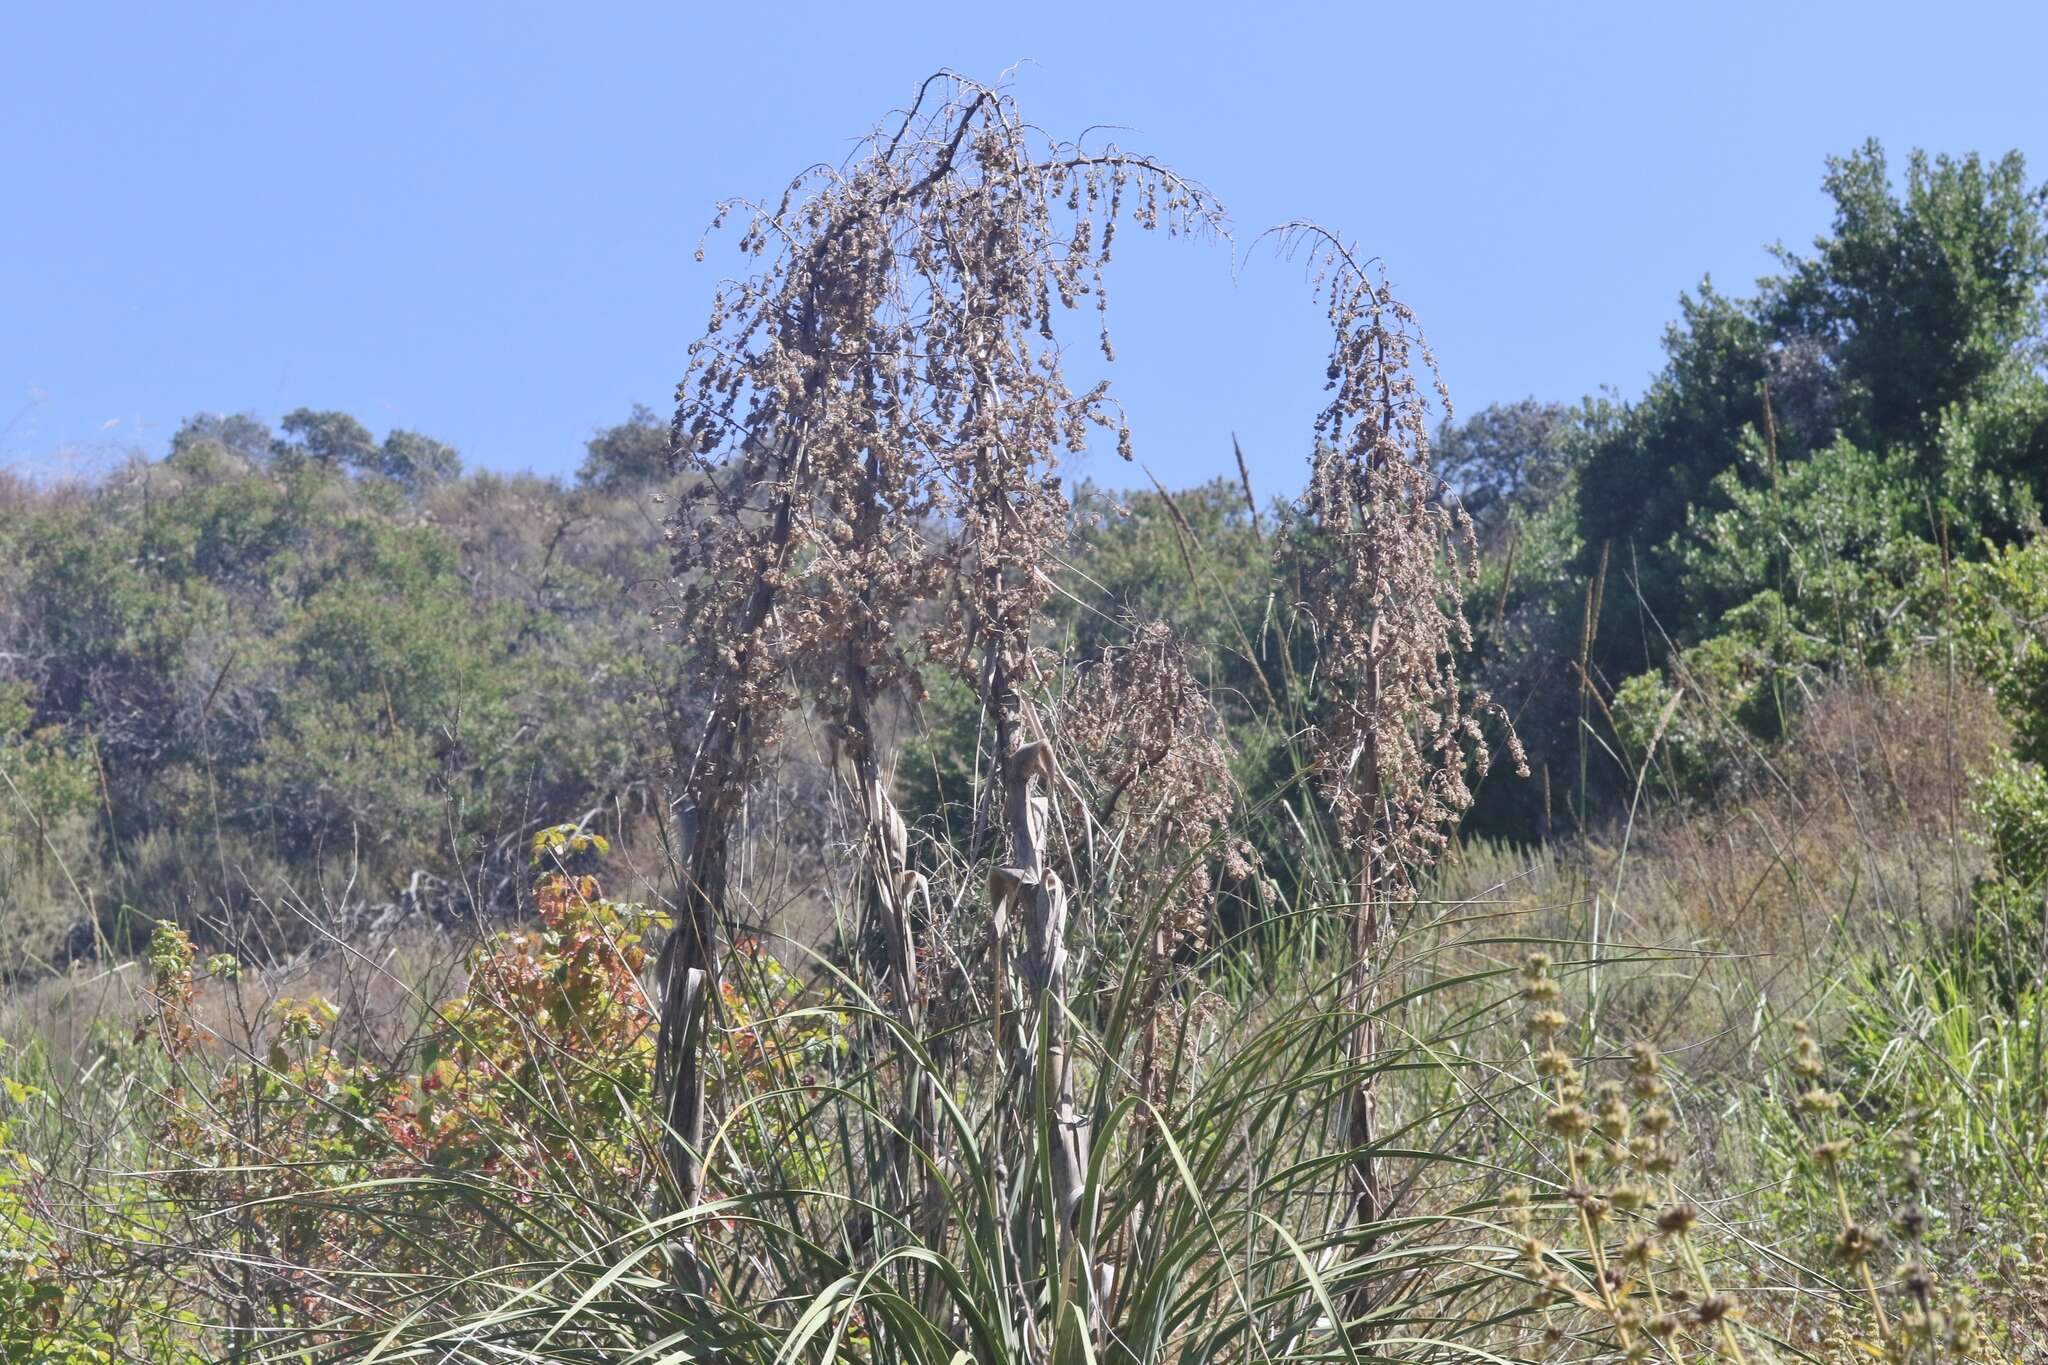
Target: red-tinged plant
x=170, y=984
x=534, y=1083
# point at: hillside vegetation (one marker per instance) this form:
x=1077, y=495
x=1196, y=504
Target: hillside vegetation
x=821, y=884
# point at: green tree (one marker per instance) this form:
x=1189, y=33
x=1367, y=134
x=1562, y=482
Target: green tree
x=1922, y=298
x=631, y=455
x=414, y=462
x=1913, y=330
x=1505, y=457
x=237, y=434
x=1643, y=477
x=334, y=439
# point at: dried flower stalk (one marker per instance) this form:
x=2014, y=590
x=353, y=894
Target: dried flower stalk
x=876, y=413
x=1386, y=598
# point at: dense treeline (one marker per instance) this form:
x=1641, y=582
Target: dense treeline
x=306, y=659
x=1784, y=499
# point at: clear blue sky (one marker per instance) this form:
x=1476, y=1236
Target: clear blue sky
x=477, y=220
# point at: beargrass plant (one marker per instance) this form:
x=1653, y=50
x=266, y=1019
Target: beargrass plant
x=876, y=415
x=1217, y=1197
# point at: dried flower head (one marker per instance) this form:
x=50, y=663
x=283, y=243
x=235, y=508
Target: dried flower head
x=1678, y=1219
x=1386, y=592
x=1147, y=740
x=1569, y=1121
x=1857, y=1243
x=1147, y=744
x=892, y=367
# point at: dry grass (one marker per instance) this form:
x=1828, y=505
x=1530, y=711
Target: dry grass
x=1860, y=833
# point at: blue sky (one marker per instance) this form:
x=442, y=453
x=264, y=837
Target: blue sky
x=477, y=220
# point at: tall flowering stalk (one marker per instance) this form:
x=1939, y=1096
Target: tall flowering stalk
x=1385, y=594
x=874, y=416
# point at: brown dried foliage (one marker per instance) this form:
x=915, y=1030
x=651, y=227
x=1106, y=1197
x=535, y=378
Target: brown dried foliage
x=879, y=408
x=1146, y=739
x=1385, y=594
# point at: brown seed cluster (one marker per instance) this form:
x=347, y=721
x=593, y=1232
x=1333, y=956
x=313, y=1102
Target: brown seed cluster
x=1621, y=1266
x=1146, y=739
x=1148, y=747
x=873, y=420
x=875, y=413
x=1385, y=590
x=1919, y=1326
